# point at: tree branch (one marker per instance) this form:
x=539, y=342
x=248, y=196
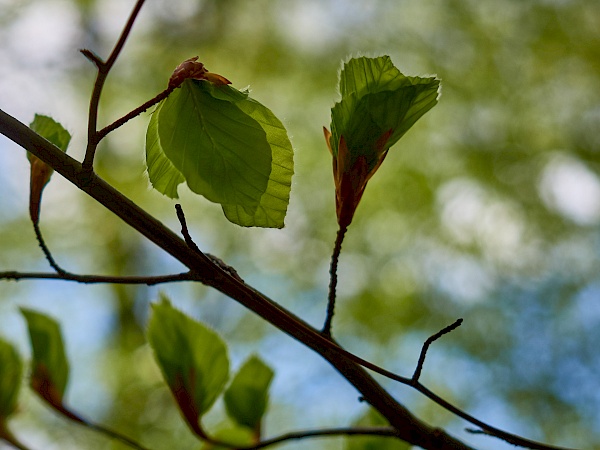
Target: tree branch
x=98, y=279
x=355, y=431
x=410, y=429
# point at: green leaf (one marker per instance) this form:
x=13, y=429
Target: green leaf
x=50, y=368
x=227, y=147
x=11, y=371
x=193, y=360
x=237, y=437
x=373, y=419
x=162, y=173
x=247, y=396
x=51, y=130
x=378, y=102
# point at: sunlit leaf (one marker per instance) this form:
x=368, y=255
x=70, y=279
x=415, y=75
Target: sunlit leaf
x=227, y=147
x=11, y=371
x=50, y=368
x=162, y=174
x=379, y=104
x=193, y=360
x=376, y=98
x=246, y=398
x=51, y=130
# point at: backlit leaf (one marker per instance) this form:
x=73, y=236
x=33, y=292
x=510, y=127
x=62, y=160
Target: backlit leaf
x=227, y=147
x=11, y=371
x=50, y=368
x=377, y=97
x=246, y=398
x=193, y=360
x=51, y=130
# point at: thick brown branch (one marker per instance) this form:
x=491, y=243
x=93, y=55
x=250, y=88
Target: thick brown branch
x=409, y=428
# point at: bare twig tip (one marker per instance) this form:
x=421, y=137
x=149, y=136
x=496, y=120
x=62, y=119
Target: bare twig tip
x=91, y=56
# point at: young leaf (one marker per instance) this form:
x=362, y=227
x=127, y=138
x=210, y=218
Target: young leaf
x=50, y=368
x=11, y=370
x=162, y=174
x=379, y=104
x=193, y=360
x=227, y=147
x=40, y=171
x=51, y=130
x=247, y=396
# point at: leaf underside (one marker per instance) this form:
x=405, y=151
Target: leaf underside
x=227, y=147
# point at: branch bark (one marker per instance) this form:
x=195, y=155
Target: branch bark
x=410, y=428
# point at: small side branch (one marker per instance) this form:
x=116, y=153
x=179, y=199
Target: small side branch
x=335, y=256
x=184, y=229
x=134, y=113
x=98, y=279
x=103, y=70
x=428, y=342
x=38, y=234
x=354, y=431
x=69, y=414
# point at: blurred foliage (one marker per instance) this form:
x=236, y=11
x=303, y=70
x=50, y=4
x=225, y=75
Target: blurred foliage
x=487, y=210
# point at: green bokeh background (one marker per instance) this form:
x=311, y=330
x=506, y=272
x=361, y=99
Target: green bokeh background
x=488, y=209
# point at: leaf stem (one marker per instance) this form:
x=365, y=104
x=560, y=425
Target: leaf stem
x=335, y=256
x=38, y=234
x=134, y=113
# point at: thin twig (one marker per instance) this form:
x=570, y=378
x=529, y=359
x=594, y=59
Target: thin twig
x=134, y=113
x=426, y=345
x=98, y=279
x=68, y=413
x=103, y=70
x=487, y=429
x=296, y=435
x=38, y=234
x=335, y=256
x=184, y=229
x=409, y=427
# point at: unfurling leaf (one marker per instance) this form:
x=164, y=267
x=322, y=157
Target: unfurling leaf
x=246, y=398
x=191, y=68
x=40, y=171
x=227, y=147
x=379, y=104
x=50, y=368
x=11, y=370
x=193, y=360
